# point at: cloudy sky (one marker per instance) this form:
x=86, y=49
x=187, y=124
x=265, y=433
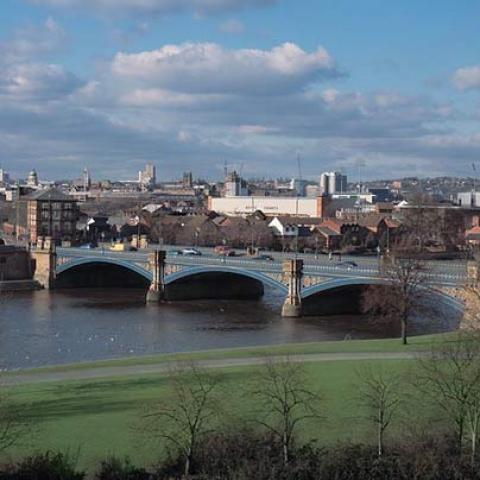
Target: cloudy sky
x=376, y=88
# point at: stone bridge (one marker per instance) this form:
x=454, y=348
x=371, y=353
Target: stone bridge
x=298, y=282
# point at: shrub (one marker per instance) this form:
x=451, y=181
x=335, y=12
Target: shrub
x=114, y=468
x=43, y=466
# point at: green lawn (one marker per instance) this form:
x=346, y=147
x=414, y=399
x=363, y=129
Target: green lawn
x=97, y=418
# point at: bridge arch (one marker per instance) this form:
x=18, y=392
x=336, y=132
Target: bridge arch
x=337, y=283
x=138, y=276
x=253, y=274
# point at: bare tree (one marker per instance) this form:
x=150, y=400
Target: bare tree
x=401, y=296
x=380, y=394
x=450, y=376
x=187, y=413
x=285, y=400
x=473, y=421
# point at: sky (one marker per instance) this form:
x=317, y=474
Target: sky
x=372, y=88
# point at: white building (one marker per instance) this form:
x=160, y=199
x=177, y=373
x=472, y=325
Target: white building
x=240, y=206
x=333, y=182
x=4, y=177
x=148, y=178
x=32, y=180
x=468, y=199
x=235, y=186
x=299, y=186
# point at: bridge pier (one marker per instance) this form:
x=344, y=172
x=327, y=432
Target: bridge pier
x=293, y=272
x=45, y=258
x=156, y=291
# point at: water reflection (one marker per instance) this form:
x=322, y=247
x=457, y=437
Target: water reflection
x=44, y=328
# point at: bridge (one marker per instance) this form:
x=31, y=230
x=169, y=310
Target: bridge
x=173, y=277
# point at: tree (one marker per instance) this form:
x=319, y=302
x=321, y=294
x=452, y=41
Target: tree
x=285, y=400
x=186, y=415
x=450, y=376
x=380, y=395
x=402, y=294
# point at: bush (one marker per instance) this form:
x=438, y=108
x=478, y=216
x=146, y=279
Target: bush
x=43, y=466
x=117, y=469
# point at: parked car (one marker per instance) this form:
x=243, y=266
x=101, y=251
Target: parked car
x=267, y=258
x=175, y=252
x=132, y=249
x=88, y=246
x=118, y=247
x=348, y=263
x=191, y=251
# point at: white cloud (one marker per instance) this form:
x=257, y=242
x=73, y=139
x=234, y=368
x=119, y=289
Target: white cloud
x=210, y=68
x=38, y=81
x=232, y=26
x=467, y=78
x=162, y=7
x=33, y=42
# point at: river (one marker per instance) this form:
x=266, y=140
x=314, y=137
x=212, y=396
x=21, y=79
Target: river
x=48, y=328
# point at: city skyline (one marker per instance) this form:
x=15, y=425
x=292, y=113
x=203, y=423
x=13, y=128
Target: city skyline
x=190, y=85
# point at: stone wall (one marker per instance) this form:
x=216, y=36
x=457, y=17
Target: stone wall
x=15, y=264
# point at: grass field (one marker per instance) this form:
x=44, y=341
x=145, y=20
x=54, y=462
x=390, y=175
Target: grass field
x=97, y=418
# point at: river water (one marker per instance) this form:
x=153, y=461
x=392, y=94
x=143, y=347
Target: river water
x=47, y=328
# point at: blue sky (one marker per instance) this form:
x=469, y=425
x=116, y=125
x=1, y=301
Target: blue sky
x=188, y=84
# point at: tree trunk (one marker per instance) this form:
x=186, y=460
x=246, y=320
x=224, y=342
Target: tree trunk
x=285, y=449
x=380, y=436
x=474, y=432
x=188, y=461
x=474, y=447
x=404, y=331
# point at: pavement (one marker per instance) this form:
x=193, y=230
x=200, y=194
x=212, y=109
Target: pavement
x=93, y=373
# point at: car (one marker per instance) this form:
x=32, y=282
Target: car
x=266, y=258
x=191, y=251
x=132, y=249
x=88, y=246
x=348, y=263
x=224, y=251
x=175, y=252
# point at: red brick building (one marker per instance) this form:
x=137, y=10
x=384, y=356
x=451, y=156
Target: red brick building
x=51, y=213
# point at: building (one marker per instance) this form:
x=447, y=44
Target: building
x=383, y=195
x=147, y=178
x=468, y=199
x=187, y=180
x=87, y=181
x=4, y=177
x=299, y=186
x=272, y=206
x=235, y=186
x=32, y=180
x=333, y=182
x=51, y=213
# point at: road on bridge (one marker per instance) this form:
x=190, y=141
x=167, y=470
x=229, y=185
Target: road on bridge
x=441, y=272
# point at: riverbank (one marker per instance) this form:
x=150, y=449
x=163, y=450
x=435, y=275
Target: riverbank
x=19, y=286
x=386, y=346
x=97, y=417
